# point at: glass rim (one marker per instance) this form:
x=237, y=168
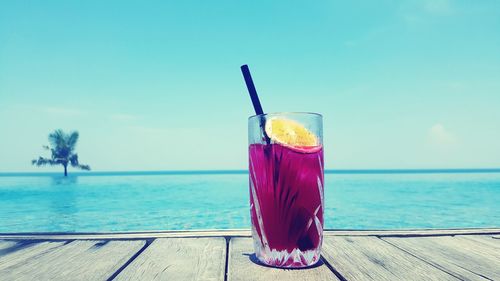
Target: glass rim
x=286, y=113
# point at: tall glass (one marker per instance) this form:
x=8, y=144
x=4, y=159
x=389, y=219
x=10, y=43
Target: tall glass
x=286, y=187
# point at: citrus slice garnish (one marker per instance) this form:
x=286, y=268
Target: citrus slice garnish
x=292, y=134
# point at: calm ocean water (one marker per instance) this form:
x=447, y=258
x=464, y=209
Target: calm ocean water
x=154, y=201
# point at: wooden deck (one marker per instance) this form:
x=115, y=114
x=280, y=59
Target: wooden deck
x=462, y=254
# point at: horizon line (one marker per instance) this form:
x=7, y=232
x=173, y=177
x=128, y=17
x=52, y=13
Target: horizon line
x=241, y=171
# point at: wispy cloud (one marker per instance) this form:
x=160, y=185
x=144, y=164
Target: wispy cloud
x=418, y=12
x=62, y=111
x=165, y=131
x=146, y=130
x=123, y=117
x=437, y=7
x=439, y=135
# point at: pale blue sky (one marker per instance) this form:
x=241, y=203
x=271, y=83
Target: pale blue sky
x=156, y=85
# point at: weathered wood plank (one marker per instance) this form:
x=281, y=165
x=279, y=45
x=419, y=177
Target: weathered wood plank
x=240, y=233
x=26, y=252
x=241, y=267
x=179, y=259
x=464, y=259
x=128, y=235
x=405, y=256
x=369, y=258
x=4, y=244
x=486, y=240
x=413, y=232
x=78, y=260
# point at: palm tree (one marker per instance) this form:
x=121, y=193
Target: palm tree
x=62, y=147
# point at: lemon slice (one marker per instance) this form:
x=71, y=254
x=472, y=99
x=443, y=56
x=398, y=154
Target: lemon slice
x=290, y=133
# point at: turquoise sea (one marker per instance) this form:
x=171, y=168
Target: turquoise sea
x=219, y=200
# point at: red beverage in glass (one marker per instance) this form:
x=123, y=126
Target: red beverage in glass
x=286, y=199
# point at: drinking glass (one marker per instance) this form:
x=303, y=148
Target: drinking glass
x=286, y=183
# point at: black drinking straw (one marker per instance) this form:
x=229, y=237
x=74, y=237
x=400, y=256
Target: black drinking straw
x=255, y=98
x=251, y=89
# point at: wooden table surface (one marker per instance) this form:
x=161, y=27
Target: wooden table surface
x=460, y=254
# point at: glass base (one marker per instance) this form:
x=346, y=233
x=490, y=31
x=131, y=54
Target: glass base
x=285, y=259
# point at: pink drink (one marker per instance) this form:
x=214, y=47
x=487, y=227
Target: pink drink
x=286, y=203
